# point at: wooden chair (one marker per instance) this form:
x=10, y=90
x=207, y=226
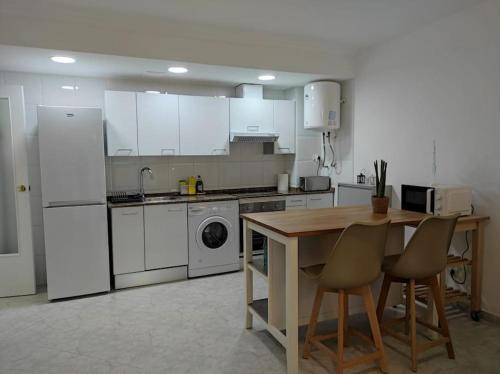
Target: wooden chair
x=353, y=264
x=423, y=259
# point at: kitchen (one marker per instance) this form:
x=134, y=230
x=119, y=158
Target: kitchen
x=182, y=153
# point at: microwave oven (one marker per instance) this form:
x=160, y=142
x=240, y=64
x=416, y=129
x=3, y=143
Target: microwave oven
x=440, y=200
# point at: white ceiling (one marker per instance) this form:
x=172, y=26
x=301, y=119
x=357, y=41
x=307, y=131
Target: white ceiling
x=37, y=60
x=354, y=23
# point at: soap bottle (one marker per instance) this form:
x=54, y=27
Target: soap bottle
x=199, y=185
x=191, y=185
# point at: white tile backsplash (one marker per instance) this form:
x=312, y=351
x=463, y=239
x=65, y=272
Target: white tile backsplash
x=54, y=94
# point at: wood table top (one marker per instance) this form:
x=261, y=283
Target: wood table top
x=310, y=222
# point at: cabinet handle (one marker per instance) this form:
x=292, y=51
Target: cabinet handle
x=296, y=201
x=129, y=150
x=253, y=128
x=171, y=151
x=284, y=147
x=129, y=214
x=222, y=150
x=176, y=210
x=315, y=199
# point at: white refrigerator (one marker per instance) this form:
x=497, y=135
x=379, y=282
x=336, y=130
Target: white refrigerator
x=71, y=145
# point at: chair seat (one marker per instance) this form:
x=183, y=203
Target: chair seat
x=389, y=262
x=313, y=271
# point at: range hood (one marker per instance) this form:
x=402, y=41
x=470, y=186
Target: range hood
x=253, y=137
x=252, y=133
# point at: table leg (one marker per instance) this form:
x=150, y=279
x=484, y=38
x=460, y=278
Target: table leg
x=292, y=305
x=247, y=257
x=477, y=271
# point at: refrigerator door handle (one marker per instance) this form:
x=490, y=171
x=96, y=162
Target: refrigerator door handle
x=59, y=204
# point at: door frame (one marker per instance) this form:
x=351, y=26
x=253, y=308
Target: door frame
x=17, y=270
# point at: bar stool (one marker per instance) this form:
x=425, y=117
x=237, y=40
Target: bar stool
x=352, y=265
x=423, y=259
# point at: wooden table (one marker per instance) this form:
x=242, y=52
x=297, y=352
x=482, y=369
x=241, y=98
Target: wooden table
x=285, y=229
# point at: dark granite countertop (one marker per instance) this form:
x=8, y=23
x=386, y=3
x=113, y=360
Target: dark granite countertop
x=213, y=195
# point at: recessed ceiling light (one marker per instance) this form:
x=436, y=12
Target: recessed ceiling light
x=152, y=92
x=178, y=69
x=267, y=77
x=63, y=59
x=69, y=87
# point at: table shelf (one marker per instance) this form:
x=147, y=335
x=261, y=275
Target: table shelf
x=257, y=266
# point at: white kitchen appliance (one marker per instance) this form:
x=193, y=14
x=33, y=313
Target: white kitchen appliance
x=438, y=199
x=213, y=237
x=74, y=201
x=322, y=106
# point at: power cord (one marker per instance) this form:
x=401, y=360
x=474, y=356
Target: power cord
x=452, y=271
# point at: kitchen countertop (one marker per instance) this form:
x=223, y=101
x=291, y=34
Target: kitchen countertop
x=218, y=195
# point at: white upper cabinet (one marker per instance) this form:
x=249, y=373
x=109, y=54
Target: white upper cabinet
x=158, y=124
x=121, y=123
x=204, y=125
x=251, y=115
x=284, y=124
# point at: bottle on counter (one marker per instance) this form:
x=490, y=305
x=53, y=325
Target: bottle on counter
x=199, y=185
x=191, y=185
x=183, y=187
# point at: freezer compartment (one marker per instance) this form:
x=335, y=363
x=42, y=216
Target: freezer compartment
x=76, y=249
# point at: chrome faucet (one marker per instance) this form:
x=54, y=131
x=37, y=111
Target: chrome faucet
x=141, y=180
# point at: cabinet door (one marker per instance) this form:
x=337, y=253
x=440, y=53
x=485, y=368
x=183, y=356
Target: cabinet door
x=204, y=125
x=251, y=115
x=284, y=124
x=296, y=202
x=320, y=200
x=166, y=235
x=121, y=123
x=128, y=239
x=158, y=124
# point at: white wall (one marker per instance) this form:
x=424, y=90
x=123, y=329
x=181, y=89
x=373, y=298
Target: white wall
x=440, y=83
x=246, y=166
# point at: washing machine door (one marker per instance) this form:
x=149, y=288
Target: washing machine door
x=214, y=234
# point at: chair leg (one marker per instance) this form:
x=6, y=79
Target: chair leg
x=438, y=302
x=407, y=311
x=341, y=330
x=374, y=325
x=346, y=316
x=311, y=329
x=386, y=285
x=413, y=325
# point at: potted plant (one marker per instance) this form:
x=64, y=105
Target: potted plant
x=380, y=202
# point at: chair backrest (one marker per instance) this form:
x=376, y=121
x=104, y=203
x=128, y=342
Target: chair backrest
x=426, y=253
x=357, y=256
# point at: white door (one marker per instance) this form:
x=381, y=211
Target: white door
x=284, y=124
x=251, y=115
x=166, y=235
x=204, y=125
x=17, y=273
x=71, y=156
x=121, y=123
x=158, y=124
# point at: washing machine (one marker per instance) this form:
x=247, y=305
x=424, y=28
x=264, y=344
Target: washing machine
x=213, y=237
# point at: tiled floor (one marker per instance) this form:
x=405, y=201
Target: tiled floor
x=194, y=326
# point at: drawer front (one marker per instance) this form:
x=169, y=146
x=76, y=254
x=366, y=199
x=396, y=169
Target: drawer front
x=323, y=200
x=296, y=201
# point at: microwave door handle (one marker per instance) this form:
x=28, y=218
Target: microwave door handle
x=428, y=201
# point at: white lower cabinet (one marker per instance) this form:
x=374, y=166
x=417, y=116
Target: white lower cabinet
x=166, y=237
x=296, y=202
x=320, y=200
x=128, y=239
x=309, y=201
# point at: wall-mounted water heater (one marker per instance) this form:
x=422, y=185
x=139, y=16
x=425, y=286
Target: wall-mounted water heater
x=322, y=106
